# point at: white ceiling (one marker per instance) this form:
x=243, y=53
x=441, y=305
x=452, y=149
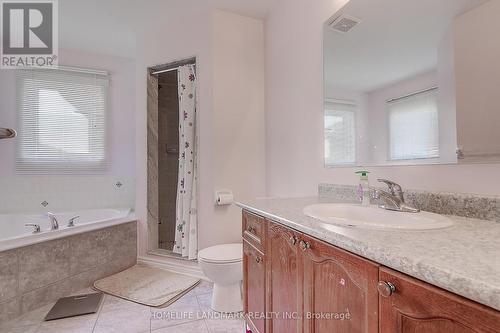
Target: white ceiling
x=396, y=39
x=252, y=8
x=109, y=26
x=100, y=26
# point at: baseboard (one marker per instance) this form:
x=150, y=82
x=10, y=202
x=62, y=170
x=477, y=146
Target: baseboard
x=175, y=265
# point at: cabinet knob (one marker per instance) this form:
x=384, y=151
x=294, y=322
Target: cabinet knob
x=258, y=259
x=293, y=240
x=386, y=289
x=304, y=245
x=250, y=229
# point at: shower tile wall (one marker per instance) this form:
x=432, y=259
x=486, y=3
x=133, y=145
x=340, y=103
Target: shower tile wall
x=168, y=157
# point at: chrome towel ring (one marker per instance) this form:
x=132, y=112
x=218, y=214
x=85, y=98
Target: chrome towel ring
x=7, y=133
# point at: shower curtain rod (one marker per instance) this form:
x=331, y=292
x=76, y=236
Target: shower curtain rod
x=412, y=94
x=166, y=70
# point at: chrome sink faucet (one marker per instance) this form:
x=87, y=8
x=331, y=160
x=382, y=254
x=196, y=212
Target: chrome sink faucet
x=393, y=199
x=54, y=225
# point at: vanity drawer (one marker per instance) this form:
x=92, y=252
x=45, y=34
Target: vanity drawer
x=254, y=230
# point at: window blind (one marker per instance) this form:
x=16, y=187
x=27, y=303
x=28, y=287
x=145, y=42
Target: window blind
x=340, y=133
x=413, y=123
x=62, y=120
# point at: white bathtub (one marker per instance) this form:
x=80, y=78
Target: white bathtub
x=14, y=233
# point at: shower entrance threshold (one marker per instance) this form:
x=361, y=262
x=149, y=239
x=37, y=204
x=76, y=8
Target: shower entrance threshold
x=168, y=254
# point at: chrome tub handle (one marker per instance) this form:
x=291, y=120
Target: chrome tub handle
x=71, y=221
x=36, y=227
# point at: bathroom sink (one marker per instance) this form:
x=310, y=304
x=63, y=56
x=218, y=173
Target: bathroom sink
x=373, y=217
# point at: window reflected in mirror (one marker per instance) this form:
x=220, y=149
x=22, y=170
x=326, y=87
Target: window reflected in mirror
x=340, y=132
x=411, y=82
x=413, y=126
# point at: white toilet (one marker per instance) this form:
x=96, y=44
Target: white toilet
x=223, y=264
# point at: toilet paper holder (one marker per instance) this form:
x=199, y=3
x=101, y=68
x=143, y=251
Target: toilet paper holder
x=223, y=197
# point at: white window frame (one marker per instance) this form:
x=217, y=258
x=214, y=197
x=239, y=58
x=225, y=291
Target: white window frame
x=29, y=158
x=354, y=111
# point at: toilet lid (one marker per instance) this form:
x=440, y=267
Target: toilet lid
x=225, y=253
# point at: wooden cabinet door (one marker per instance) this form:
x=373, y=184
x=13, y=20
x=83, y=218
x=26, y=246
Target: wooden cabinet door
x=283, y=280
x=254, y=287
x=418, y=307
x=340, y=290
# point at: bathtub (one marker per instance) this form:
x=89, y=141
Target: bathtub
x=14, y=233
x=38, y=268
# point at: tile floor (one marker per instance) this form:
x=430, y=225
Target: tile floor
x=190, y=314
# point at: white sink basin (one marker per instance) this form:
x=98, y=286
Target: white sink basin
x=373, y=217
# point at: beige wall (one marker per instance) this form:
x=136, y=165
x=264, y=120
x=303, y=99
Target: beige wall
x=294, y=114
x=230, y=94
x=238, y=118
x=477, y=56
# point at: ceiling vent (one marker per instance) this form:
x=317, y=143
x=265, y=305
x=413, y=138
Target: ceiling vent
x=343, y=23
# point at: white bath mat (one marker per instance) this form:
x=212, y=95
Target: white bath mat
x=147, y=285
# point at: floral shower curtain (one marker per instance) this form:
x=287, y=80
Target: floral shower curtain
x=186, y=231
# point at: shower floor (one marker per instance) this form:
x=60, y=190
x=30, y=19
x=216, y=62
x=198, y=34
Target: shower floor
x=166, y=246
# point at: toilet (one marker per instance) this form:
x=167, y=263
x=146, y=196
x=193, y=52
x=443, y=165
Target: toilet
x=223, y=264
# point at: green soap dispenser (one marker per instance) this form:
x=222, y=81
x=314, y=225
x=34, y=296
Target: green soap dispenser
x=364, y=188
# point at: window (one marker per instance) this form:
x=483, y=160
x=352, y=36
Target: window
x=62, y=117
x=340, y=133
x=413, y=123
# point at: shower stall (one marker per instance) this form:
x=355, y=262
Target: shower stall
x=172, y=159
x=168, y=157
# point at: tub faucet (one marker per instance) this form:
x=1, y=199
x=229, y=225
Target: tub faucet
x=71, y=221
x=54, y=225
x=393, y=199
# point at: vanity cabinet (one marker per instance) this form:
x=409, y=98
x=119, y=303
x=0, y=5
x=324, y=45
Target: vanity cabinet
x=284, y=279
x=416, y=306
x=254, y=287
x=295, y=283
x=254, y=271
x=339, y=285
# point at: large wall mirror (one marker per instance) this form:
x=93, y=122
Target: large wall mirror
x=412, y=82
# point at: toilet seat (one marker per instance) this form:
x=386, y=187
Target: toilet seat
x=222, y=254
